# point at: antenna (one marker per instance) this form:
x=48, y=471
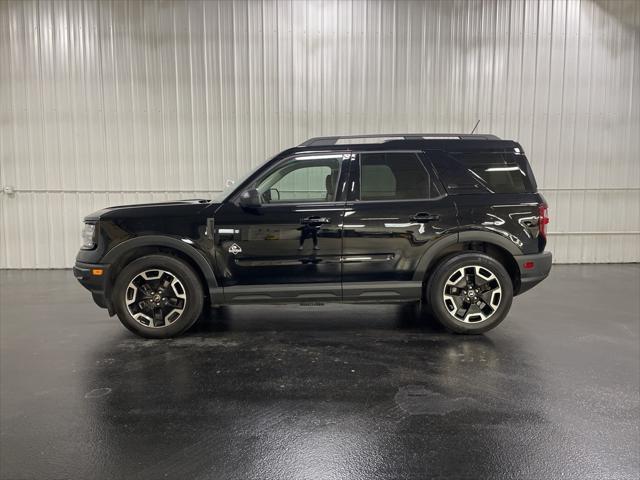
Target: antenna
x=474, y=128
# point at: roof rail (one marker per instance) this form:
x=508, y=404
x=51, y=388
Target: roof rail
x=388, y=137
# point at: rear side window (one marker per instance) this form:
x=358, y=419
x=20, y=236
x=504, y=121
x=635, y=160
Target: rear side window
x=498, y=172
x=394, y=176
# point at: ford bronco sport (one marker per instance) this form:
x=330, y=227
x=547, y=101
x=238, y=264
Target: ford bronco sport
x=452, y=221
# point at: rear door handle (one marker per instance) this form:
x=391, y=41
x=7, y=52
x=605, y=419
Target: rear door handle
x=314, y=220
x=423, y=217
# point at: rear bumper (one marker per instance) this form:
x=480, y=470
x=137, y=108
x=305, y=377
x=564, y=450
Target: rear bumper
x=98, y=285
x=533, y=269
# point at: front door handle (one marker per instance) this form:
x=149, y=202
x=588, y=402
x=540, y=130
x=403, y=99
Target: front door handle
x=423, y=217
x=314, y=220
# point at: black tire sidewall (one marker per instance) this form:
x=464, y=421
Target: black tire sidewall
x=183, y=272
x=436, y=283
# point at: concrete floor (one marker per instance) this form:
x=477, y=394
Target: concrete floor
x=323, y=392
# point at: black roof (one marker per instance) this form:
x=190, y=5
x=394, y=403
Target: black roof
x=451, y=142
x=388, y=137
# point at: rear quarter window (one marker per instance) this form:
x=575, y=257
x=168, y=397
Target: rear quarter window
x=497, y=172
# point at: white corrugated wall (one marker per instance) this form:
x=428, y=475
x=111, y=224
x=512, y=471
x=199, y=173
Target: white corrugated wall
x=117, y=102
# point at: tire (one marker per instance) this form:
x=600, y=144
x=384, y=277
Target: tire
x=448, y=293
x=176, y=288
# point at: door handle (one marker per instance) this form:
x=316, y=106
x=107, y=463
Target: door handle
x=314, y=220
x=423, y=217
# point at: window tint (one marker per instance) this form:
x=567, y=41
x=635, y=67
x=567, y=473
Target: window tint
x=308, y=179
x=394, y=176
x=378, y=181
x=499, y=172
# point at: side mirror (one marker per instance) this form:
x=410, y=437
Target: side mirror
x=250, y=199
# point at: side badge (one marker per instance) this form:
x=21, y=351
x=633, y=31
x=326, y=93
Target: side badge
x=235, y=249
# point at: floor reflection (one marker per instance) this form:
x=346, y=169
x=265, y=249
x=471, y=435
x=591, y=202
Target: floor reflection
x=293, y=393
x=323, y=392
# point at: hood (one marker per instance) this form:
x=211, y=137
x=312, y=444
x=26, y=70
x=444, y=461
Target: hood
x=171, y=208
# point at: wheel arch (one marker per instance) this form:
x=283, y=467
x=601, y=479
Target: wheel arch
x=129, y=250
x=492, y=244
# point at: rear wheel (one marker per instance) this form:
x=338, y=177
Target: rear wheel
x=470, y=293
x=158, y=296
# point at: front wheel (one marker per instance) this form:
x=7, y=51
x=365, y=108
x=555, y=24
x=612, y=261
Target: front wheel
x=470, y=293
x=158, y=296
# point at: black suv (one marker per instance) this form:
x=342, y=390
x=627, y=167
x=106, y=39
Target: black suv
x=452, y=221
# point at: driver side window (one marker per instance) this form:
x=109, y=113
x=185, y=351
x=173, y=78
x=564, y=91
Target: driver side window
x=301, y=179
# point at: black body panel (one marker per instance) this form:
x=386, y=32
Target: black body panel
x=512, y=217
x=279, y=242
x=383, y=241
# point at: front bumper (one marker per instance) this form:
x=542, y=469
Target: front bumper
x=533, y=269
x=97, y=284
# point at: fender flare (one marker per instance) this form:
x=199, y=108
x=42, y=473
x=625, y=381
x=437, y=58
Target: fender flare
x=170, y=242
x=497, y=238
x=436, y=248
x=432, y=251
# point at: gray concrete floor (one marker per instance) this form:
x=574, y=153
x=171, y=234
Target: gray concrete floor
x=323, y=392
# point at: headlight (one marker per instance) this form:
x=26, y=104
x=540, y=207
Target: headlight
x=89, y=236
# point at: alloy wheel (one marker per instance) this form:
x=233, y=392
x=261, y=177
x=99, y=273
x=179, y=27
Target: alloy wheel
x=155, y=298
x=472, y=294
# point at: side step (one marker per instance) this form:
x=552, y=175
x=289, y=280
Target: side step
x=320, y=293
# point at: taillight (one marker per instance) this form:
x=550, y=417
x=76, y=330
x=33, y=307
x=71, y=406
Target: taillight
x=543, y=219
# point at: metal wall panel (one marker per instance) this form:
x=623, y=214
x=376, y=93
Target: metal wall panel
x=116, y=102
